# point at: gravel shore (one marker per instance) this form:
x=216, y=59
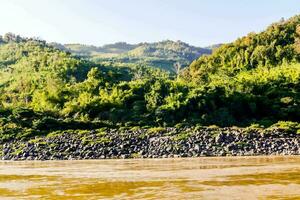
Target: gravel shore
x=161, y=143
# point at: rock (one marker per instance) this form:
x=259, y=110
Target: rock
x=197, y=147
x=129, y=144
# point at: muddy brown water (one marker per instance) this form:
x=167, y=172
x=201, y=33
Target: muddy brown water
x=197, y=178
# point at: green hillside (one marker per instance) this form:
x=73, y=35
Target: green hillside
x=252, y=81
x=277, y=45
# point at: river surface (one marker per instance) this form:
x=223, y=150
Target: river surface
x=198, y=178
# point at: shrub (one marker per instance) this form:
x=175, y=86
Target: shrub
x=156, y=130
x=182, y=136
x=47, y=123
x=23, y=113
x=288, y=126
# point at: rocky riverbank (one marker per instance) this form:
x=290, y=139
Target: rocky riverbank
x=153, y=143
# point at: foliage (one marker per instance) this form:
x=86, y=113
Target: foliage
x=275, y=46
x=287, y=126
x=255, y=80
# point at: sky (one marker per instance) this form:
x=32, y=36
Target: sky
x=98, y=22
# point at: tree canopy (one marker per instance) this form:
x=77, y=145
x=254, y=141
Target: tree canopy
x=255, y=79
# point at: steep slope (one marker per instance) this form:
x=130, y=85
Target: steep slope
x=275, y=46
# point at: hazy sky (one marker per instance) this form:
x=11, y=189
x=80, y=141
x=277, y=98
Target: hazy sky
x=198, y=22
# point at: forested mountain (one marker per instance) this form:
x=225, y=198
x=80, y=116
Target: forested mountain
x=274, y=46
x=254, y=80
x=165, y=55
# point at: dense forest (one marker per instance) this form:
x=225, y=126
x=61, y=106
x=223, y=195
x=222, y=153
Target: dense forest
x=252, y=81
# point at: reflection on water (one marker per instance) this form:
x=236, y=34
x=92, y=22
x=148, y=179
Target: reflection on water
x=199, y=178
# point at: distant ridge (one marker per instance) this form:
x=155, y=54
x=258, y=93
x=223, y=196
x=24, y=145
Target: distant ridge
x=163, y=54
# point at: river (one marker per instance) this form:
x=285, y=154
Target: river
x=195, y=178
